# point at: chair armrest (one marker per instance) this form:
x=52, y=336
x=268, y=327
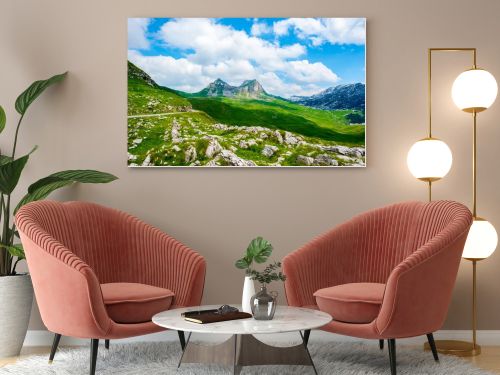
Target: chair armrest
x=321, y=263
x=419, y=289
x=165, y=262
x=66, y=289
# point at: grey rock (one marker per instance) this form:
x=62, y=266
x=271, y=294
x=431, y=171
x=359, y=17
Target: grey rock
x=175, y=132
x=147, y=161
x=290, y=139
x=324, y=159
x=213, y=148
x=269, y=151
x=247, y=144
x=176, y=148
x=304, y=160
x=277, y=135
x=357, y=152
x=231, y=158
x=190, y=154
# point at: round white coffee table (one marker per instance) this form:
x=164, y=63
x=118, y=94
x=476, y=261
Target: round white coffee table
x=242, y=348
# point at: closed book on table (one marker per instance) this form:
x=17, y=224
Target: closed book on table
x=212, y=317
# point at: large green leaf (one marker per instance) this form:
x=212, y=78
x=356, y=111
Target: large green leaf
x=15, y=250
x=43, y=187
x=259, y=250
x=242, y=263
x=31, y=93
x=42, y=193
x=87, y=176
x=10, y=172
x=3, y=119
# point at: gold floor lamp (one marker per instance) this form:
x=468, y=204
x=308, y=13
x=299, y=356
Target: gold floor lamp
x=430, y=159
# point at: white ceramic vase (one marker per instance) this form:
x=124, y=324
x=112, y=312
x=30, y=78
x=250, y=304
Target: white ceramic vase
x=16, y=298
x=248, y=292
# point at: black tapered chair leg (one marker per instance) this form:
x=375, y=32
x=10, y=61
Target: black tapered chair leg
x=392, y=355
x=106, y=344
x=307, y=333
x=182, y=339
x=381, y=344
x=432, y=344
x=55, y=344
x=94, y=346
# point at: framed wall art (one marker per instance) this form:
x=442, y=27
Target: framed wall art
x=266, y=92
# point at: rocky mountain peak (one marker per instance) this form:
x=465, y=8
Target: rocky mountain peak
x=136, y=73
x=249, y=88
x=346, y=96
x=220, y=82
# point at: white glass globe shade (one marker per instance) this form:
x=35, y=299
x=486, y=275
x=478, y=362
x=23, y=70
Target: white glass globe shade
x=474, y=90
x=481, y=241
x=429, y=159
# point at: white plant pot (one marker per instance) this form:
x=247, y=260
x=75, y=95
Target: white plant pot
x=248, y=292
x=16, y=298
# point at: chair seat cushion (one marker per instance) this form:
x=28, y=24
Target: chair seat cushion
x=135, y=303
x=351, y=303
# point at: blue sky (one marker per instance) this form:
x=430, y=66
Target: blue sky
x=289, y=56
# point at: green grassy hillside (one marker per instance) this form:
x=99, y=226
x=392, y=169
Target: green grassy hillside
x=283, y=115
x=146, y=97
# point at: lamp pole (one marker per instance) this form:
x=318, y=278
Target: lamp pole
x=454, y=347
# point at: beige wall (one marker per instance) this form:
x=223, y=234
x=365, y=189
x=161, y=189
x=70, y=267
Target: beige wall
x=82, y=124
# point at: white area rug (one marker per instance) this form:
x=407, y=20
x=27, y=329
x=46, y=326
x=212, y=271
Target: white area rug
x=161, y=358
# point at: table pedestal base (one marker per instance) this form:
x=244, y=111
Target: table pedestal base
x=246, y=350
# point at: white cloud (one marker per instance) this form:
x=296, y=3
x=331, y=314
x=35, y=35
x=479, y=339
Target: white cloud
x=303, y=26
x=232, y=71
x=321, y=30
x=275, y=85
x=209, y=50
x=304, y=71
x=260, y=28
x=137, y=29
x=213, y=42
x=179, y=74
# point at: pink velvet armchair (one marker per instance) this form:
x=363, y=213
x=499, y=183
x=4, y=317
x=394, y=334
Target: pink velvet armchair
x=99, y=273
x=385, y=274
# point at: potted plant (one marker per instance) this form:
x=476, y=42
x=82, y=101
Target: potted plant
x=259, y=250
x=16, y=291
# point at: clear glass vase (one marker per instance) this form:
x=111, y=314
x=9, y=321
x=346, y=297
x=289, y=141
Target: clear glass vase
x=263, y=304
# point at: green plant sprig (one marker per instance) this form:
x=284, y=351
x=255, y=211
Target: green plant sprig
x=269, y=274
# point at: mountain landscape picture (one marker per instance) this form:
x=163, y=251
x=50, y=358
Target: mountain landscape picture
x=246, y=92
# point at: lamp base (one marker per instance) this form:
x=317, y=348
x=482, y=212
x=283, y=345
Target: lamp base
x=456, y=348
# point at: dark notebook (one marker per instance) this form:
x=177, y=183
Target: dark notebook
x=211, y=316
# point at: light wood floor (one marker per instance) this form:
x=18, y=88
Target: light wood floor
x=488, y=360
